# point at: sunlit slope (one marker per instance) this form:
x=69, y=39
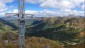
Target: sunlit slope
x=35, y=42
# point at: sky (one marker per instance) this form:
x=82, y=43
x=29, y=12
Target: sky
x=45, y=7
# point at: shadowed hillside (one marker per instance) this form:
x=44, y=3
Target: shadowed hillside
x=8, y=23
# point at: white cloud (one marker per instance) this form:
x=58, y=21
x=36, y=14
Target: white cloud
x=65, y=4
x=3, y=6
x=30, y=12
x=65, y=7
x=82, y=13
x=77, y=2
x=49, y=13
x=83, y=7
x=49, y=3
x=35, y=1
x=6, y=1
x=15, y=11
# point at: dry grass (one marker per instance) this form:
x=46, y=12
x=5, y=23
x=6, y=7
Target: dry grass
x=76, y=46
x=34, y=42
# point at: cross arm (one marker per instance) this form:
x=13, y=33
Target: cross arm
x=29, y=15
x=11, y=14
x=17, y=14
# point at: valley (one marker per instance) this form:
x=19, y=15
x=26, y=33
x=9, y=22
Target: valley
x=48, y=32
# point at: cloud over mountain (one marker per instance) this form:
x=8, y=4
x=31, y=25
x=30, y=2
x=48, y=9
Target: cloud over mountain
x=61, y=7
x=65, y=4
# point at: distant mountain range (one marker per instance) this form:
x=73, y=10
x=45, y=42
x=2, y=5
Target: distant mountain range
x=12, y=21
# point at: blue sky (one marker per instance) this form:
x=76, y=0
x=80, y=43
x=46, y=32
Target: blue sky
x=45, y=7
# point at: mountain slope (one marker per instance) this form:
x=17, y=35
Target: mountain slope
x=8, y=23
